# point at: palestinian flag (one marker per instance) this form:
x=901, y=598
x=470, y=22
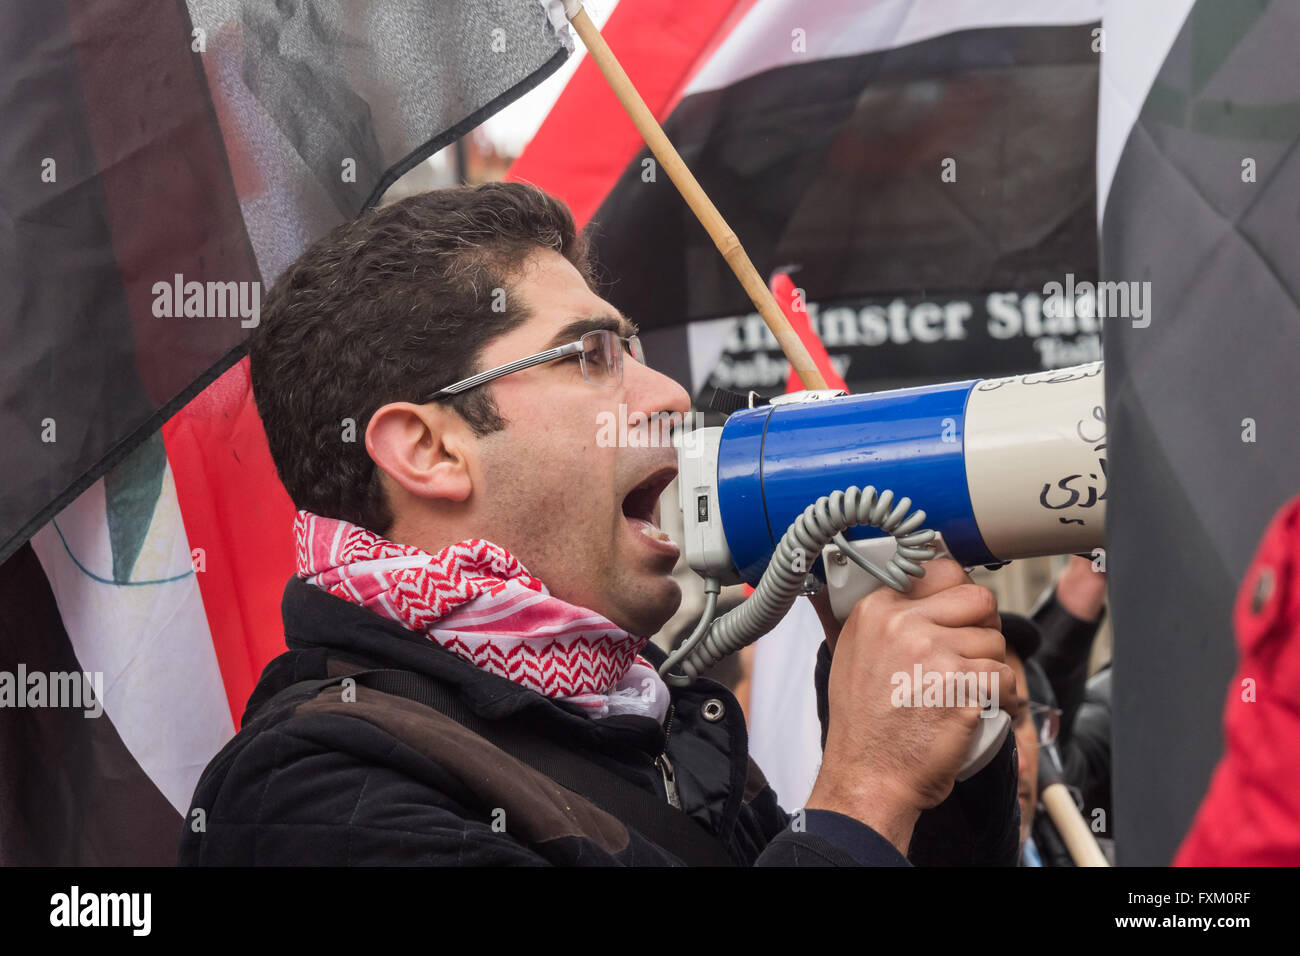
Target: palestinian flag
x=927, y=166
x=162, y=163
x=1199, y=183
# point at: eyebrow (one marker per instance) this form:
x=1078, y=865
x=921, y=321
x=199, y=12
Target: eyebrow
x=579, y=327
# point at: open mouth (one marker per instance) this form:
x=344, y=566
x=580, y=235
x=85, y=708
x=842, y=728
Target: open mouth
x=640, y=503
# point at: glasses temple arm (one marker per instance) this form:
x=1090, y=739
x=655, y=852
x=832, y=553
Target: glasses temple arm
x=518, y=365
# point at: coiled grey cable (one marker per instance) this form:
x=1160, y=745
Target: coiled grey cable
x=684, y=650
x=823, y=521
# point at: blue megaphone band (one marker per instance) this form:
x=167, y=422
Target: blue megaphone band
x=776, y=460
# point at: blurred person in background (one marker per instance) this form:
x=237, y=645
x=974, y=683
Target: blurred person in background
x=1034, y=724
x=1068, y=616
x=1064, y=708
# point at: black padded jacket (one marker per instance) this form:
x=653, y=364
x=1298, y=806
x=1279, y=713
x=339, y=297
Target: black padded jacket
x=315, y=779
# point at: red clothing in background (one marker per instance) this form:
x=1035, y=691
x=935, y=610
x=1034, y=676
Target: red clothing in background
x=1251, y=814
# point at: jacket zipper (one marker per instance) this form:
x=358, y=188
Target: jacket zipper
x=666, y=766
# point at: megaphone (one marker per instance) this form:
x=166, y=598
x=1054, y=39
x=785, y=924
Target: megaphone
x=858, y=491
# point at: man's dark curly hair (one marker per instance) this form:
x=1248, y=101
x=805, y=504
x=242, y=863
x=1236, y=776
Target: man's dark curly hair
x=391, y=307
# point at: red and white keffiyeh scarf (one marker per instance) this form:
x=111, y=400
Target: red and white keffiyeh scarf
x=476, y=600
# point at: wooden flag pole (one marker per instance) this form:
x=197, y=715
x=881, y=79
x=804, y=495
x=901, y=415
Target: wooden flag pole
x=1071, y=826
x=721, y=234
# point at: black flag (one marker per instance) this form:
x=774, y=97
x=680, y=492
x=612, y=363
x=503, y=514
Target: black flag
x=1201, y=393
x=163, y=161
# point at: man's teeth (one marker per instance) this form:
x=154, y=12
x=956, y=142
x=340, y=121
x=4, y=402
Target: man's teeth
x=645, y=527
x=653, y=532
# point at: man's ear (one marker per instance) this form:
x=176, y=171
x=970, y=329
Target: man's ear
x=424, y=448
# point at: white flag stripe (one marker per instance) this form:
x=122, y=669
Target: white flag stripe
x=162, y=684
x=1138, y=38
x=765, y=37
x=707, y=341
x=784, y=732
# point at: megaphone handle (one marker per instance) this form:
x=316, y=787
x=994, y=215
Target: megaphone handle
x=986, y=743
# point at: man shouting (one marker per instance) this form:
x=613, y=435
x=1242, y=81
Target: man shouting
x=468, y=678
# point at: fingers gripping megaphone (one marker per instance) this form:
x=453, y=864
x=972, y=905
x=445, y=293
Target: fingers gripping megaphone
x=860, y=490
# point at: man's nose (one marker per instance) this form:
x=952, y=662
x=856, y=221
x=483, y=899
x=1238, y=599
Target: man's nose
x=651, y=391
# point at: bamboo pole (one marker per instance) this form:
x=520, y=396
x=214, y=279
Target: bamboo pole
x=721, y=234
x=1074, y=831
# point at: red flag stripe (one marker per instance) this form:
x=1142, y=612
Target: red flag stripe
x=587, y=140
x=238, y=513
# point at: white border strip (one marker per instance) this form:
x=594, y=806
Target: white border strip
x=765, y=38
x=1139, y=37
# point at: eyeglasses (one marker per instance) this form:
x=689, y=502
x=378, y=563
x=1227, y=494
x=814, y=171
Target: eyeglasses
x=1047, y=721
x=600, y=353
